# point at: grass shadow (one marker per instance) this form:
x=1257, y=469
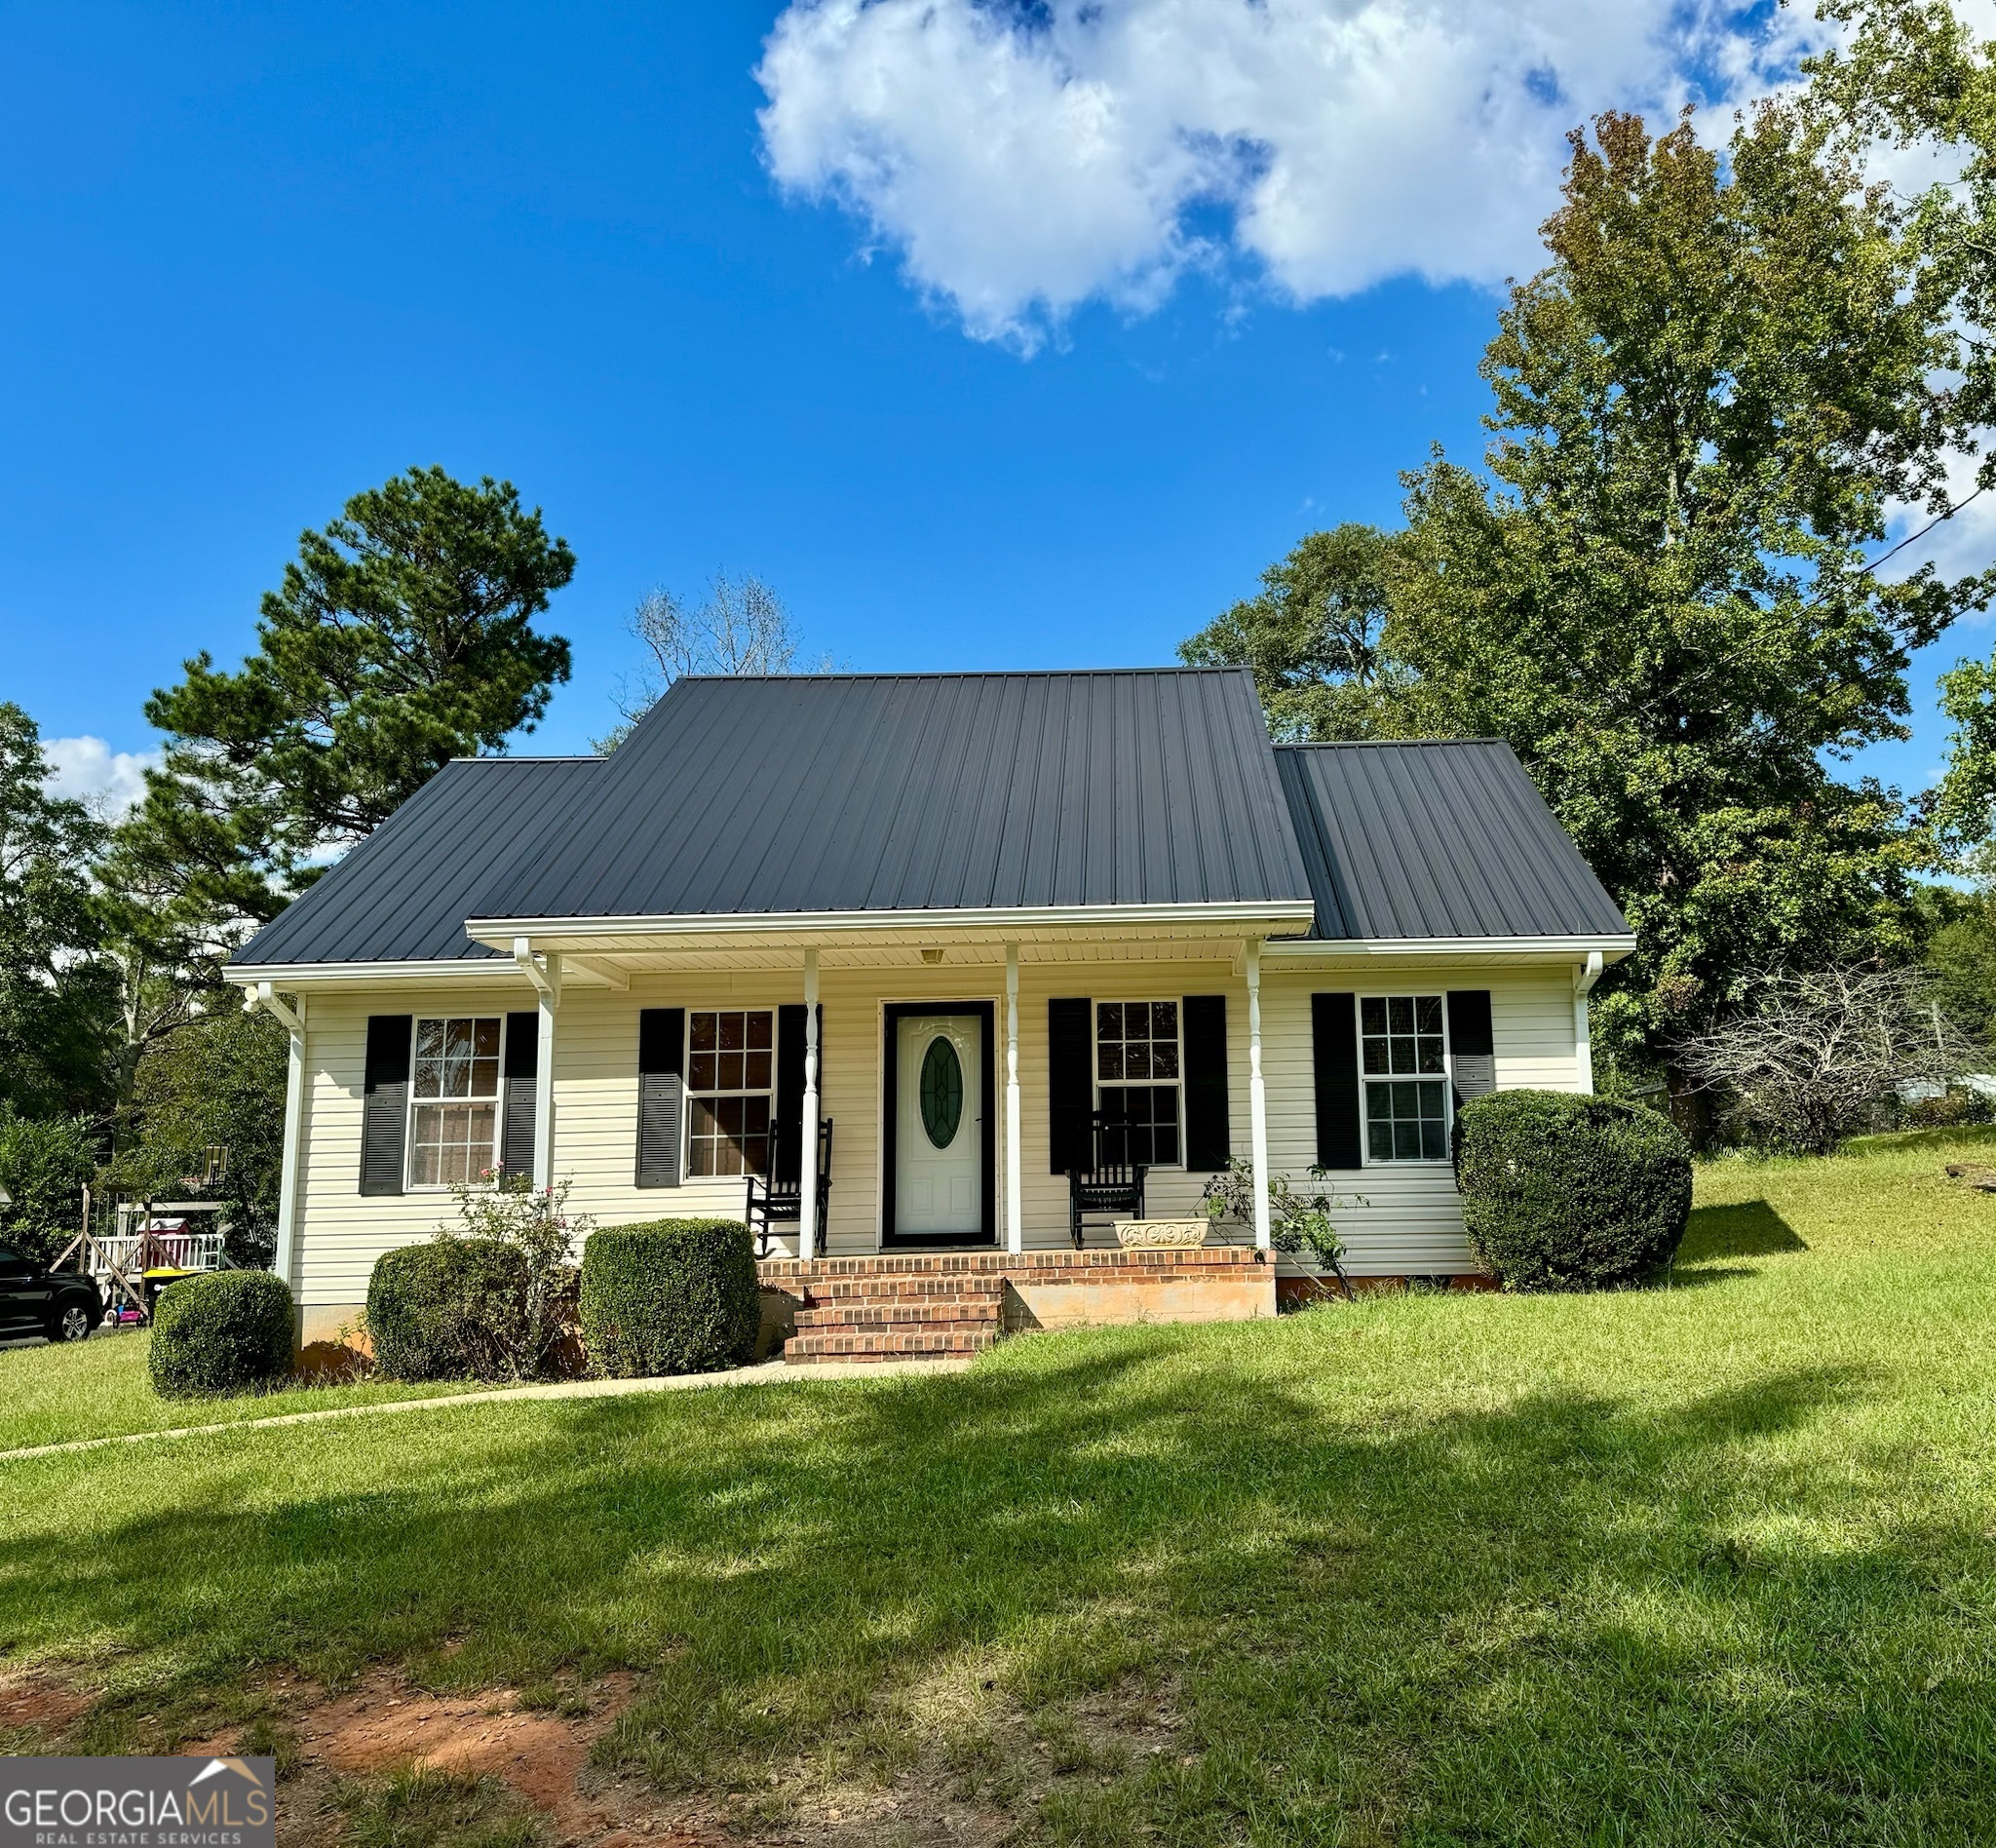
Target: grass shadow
x=1703, y=1276
x=1750, y=1228
x=1476, y=1620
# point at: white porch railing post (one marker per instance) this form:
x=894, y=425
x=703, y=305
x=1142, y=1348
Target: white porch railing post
x=1015, y=1223
x=807, y=1168
x=1257, y=1097
x=293, y=1019
x=545, y=973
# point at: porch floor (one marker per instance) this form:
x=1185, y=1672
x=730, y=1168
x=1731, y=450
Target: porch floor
x=953, y=1304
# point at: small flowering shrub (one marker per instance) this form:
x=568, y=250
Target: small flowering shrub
x=493, y=1298
x=1296, y=1222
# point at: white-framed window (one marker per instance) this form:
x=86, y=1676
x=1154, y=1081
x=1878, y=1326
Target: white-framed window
x=1138, y=1070
x=1403, y=1062
x=730, y=1089
x=454, y=1100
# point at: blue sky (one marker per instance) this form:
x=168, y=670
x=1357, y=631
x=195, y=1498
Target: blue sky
x=971, y=385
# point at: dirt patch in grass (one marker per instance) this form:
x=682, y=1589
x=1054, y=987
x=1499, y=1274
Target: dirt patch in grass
x=994, y=1770
x=498, y=1765
x=961, y=1763
x=956, y=1759
x=384, y=1726
x=37, y=1708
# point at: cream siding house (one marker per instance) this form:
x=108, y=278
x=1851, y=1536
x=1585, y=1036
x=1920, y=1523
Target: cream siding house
x=993, y=929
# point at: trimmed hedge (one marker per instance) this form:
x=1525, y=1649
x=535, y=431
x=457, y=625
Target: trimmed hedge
x=448, y=1309
x=223, y=1331
x=1561, y=1191
x=672, y=1296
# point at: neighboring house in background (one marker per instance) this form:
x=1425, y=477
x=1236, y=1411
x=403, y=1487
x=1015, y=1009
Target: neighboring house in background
x=1028, y=915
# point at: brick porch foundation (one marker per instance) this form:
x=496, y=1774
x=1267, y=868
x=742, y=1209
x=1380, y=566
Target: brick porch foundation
x=956, y=1303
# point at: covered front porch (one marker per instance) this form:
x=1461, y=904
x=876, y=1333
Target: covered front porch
x=875, y=1088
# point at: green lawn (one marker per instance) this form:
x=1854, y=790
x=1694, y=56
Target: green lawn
x=1710, y=1564
x=98, y=1389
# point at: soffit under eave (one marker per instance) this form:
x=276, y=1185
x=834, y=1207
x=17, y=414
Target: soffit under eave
x=891, y=947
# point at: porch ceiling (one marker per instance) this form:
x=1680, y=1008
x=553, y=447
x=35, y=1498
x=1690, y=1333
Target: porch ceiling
x=876, y=955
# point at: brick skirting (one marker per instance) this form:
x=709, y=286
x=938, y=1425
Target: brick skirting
x=905, y=1304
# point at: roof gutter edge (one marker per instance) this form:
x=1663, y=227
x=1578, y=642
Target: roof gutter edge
x=1611, y=948
x=431, y=969
x=1269, y=913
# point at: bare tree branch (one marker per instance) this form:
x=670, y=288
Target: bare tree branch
x=1805, y=1065
x=742, y=628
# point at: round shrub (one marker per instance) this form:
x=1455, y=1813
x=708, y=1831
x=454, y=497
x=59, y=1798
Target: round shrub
x=223, y=1331
x=448, y=1309
x=673, y=1296
x=1561, y=1191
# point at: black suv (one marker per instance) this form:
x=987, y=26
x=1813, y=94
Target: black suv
x=64, y=1305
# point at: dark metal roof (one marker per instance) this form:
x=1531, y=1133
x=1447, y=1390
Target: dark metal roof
x=843, y=793
x=402, y=895
x=1448, y=838
x=904, y=792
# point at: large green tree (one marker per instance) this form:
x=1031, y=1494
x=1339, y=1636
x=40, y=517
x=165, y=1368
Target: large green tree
x=217, y=1087
x=1314, y=634
x=1661, y=589
x=45, y=1163
x=401, y=636
x=1912, y=77
x=53, y=983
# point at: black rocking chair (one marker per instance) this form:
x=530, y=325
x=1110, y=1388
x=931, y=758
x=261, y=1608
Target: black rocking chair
x=781, y=1196
x=1112, y=1186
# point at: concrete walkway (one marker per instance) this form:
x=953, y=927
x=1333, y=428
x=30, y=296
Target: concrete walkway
x=764, y=1373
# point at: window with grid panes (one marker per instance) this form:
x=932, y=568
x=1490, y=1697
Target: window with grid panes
x=1137, y=1074
x=453, y=1101
x=1404, y=1054
x=730, y=1079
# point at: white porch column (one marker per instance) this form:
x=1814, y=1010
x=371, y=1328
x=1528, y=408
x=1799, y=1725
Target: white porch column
x=545, y=973
x=293, y=1021
x=1583, y=980
x=1015, y=1224
x=807, y=1166
x=1257, y=1097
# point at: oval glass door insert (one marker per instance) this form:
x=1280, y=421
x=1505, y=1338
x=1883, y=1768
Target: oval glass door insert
x=942, y=1091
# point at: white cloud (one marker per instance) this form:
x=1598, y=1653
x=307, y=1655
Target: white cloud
x=110, y=780
x=1958, y=547
x=1024, y=156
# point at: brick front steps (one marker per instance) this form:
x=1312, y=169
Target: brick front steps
x=955, y=1304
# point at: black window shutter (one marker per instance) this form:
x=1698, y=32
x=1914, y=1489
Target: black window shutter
x=661, y=1093
x=1070, y=1085
x=385, y=1103
x=1471, y=1047
x=523, y=1067
x=1334, y=1047
x=789, y=1161
x=1209, y=1145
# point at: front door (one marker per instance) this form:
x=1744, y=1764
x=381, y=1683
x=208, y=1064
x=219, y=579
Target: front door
x=940, y=1171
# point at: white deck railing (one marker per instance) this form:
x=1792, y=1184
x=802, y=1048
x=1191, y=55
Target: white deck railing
x=184, y=1251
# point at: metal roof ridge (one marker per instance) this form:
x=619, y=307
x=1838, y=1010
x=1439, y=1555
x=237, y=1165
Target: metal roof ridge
x=963, y=674
x=1378, y=743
